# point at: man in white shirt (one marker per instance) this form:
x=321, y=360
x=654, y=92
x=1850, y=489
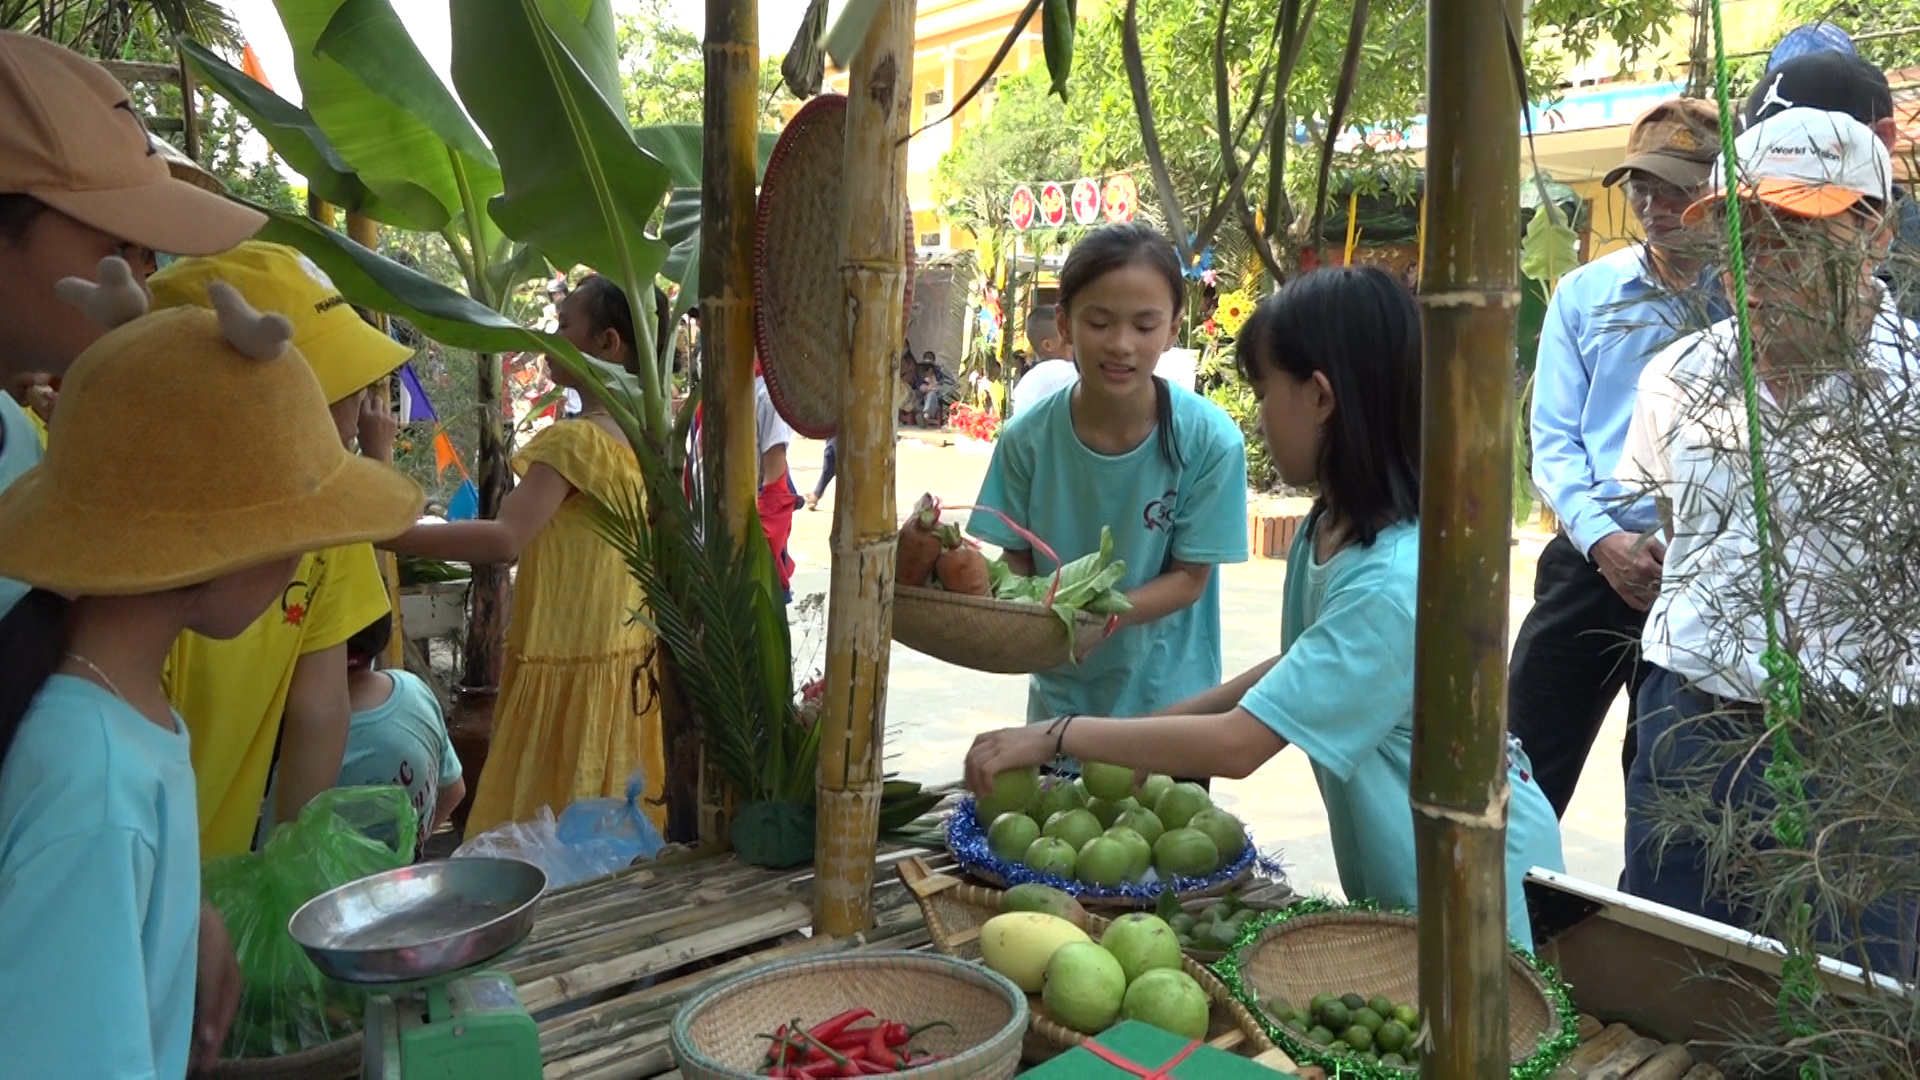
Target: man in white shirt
x=1054, y=370
x=1835, y=371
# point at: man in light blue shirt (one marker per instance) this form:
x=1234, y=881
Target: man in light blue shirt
x=1577, y=648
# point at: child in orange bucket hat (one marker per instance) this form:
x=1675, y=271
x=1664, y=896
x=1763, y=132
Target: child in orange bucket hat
x=200, y=529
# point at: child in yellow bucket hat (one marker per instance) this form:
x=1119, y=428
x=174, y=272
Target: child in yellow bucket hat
x=200, y=529
x=283, y=682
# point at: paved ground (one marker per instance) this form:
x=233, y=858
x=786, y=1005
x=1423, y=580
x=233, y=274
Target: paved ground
x=936, y=709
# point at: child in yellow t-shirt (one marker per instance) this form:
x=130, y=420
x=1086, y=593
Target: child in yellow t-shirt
x=284, y=680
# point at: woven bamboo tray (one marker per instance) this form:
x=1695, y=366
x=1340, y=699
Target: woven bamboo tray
x=970, y=863
x=716, y=1036
x=955, y=912
x=1372, y=953
x=1001, y=636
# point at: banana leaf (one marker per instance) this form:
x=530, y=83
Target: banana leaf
x=396, y=153
x=577, y=186
x=296, y=137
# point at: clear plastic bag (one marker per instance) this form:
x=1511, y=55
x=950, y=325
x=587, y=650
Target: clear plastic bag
x=592, y=837
x=343, y=835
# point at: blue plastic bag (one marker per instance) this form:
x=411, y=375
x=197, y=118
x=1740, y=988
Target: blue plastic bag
x=617, y=827
x=592, y=838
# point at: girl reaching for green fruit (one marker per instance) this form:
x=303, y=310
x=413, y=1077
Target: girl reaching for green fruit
x=1334, y=361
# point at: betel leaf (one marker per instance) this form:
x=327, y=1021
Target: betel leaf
x=1551, y=247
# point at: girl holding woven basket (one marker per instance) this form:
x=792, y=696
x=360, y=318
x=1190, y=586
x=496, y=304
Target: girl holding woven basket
x=576, y=714
x=1334, y=360
x=200, y=530
x=1162, y=467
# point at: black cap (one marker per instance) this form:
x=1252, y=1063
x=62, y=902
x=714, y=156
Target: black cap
x=1828, y=80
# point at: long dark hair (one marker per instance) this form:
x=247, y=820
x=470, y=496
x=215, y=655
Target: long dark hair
x=33, y=642
x=1359, y=328
x=607, y=309
x=1110, y=248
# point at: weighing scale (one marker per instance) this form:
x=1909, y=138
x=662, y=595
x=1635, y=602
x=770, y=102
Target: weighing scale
x=420, y=939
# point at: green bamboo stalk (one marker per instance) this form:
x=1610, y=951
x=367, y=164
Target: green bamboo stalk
x=860, y=607
x=1469, y=299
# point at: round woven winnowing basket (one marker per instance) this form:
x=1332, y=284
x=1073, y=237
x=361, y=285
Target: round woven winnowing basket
x=1376, y=953
x=1003, y=636
x=716, y=1036
x=799, y=292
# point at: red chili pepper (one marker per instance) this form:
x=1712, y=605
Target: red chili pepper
x=826, y=1030
x=855, y=1036
x=819, y=1054
x=878, y=1047
x=877, y=1068
x=899, y=1034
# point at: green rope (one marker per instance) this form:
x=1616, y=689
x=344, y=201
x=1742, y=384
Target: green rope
x=1786, y=772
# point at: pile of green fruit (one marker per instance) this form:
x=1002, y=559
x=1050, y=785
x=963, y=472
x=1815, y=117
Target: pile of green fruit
x=1103, y=831
x=1134, y=972
x=1216, y=928
x=1375, y=1030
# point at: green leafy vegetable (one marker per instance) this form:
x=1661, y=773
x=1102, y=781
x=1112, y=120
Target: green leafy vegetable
x=1089, y=583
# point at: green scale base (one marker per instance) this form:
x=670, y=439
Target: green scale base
x=463, y=1027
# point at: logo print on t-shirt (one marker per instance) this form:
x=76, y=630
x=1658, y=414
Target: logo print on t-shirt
x=294, y=603
x=1159, y=512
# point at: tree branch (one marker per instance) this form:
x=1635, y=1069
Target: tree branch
x=993, y=65
x=1342, y=95
x=1149, y=137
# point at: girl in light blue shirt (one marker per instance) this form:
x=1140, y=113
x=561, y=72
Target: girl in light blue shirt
x=1334, y=360
x=1162, y=467
x=202, y=529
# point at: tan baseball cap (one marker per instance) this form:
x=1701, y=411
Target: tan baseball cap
x=1677, y=141
x=70, y=138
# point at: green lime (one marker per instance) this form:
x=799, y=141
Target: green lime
x=1353, y=1002
x=1392, y=1035
x=1367, y=1018
x=1303, y=1017
x=1320, y=1035
x=1358, y=1037
x=1407, y=1015
x=1182, y=923
x=1319, y=1002
x=1394, y=1060
x=1219, y=913
x=1339, y=1046
x=1223, y=936
x=1279, y=1006
x=1293, y=1024
x=1381, y=1004
x=1335, y=1015
x=1370, y=1059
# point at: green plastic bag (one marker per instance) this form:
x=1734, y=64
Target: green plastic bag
x=343, y=835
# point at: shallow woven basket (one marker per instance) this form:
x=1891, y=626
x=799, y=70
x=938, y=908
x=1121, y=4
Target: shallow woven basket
x=955, y=912
x=978, y=632
x=800, y=294
x=716, y=1036
x=1369, y=953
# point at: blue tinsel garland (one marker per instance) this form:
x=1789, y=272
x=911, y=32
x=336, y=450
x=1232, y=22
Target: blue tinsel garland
x=968, y=842
x=1554, y=1047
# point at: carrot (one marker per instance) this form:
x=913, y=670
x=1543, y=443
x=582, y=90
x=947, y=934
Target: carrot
x=919, y=544
x=964, y=570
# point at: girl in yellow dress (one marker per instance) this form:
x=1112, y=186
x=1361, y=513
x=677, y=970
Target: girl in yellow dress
x=577, y=713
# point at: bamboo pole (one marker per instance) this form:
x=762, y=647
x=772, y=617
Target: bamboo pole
x=860, y=607
x=1469, y=299
x=731, y=452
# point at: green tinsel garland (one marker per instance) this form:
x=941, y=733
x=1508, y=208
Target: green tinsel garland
x=1552, y=1052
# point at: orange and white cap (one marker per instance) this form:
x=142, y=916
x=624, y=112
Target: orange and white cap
x=1806, y=162
x=70, y=138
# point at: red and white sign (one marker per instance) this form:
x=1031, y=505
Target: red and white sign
x=1120, y=198
x=1053, y=204
x=1086, y=202
x=1020, y=210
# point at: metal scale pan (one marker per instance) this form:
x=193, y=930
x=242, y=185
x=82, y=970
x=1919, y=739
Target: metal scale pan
x=420, y=923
